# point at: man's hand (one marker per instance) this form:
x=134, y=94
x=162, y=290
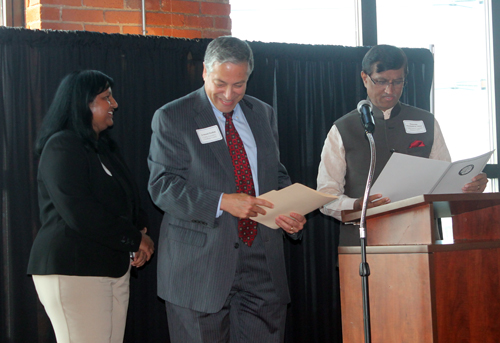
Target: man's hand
x=373, y=201
x=242, y=205
x=291, y=225
x=477, y=184
x=146, y=249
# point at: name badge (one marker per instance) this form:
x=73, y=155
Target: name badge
x=209, y=134
x=414, y=127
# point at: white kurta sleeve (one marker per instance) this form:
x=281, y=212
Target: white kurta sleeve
x=331, y=175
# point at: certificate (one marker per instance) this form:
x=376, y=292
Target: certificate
x=295, y=198
x=406, y=176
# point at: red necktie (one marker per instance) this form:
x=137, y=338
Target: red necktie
x=247, y=228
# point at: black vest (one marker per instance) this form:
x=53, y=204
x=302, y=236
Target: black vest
x=389, y=136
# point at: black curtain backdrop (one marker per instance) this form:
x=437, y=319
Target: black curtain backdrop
x=309, y=87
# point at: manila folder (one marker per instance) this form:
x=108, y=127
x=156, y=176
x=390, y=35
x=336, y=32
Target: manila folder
x=295, y=198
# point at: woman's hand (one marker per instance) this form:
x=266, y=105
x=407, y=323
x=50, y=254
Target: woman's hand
x=146, y=250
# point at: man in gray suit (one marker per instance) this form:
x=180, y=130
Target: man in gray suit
x=220, y=285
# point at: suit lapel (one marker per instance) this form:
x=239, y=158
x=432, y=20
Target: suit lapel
x=205, y=118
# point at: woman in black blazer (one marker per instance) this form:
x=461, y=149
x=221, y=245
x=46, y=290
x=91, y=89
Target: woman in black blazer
x=93, y=228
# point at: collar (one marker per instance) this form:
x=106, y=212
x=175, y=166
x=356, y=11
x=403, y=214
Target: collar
x=388, y=114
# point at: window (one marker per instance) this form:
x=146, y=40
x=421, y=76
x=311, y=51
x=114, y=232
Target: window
x=294, y=21
x=2, y=13
x=12, y=13
x=458, y=32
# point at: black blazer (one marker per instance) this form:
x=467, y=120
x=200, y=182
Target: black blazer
x=90, y=219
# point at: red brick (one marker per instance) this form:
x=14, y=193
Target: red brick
x=85, y=16
x=133, y=4
x=75, y=3
x=33, y=13
x=219, y=1
x=191, y=34
x=166, y=5
x=123, y=17
x=178, y=20
x=197, y=21
x=155, y=31
x=189, y=7
x=103, y=28
x=158, y=19
x=153, y=5
x=214, y=34
x=223, y=23
x=137, y=30
x=132, y=30
x=103, y=3
x=215, y=8
x=62, y=26
x=51, y=13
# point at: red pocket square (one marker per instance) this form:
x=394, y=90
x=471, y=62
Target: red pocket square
x=417, y=144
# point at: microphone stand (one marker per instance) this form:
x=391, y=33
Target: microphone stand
x=364, y=268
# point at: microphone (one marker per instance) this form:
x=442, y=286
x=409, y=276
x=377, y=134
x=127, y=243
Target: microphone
x=365, y=111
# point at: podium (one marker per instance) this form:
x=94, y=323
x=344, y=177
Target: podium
x=422, y=289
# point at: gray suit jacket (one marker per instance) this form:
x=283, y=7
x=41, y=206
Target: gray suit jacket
x=196, y=252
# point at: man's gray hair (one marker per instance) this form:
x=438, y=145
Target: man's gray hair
x=228, y=49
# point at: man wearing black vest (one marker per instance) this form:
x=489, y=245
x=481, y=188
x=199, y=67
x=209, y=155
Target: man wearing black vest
x=345, y=158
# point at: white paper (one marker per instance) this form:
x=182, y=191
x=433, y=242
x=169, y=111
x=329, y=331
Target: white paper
x=295, y=198
x=406, y=176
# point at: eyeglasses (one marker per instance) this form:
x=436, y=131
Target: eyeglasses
x=384, y=84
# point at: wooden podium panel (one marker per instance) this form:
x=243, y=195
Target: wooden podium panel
x=424, y=294
x=420, y=289
x=414, y=225
x=412, y=221
x=478, y=225
x=467, y=288
x=400, y=298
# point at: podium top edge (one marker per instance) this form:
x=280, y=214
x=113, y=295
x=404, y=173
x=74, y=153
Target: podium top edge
x=446, y=205
x=421, y=248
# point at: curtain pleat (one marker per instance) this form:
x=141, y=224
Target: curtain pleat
x=309, y=87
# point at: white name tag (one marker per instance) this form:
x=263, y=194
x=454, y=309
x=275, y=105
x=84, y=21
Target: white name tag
x=413, y=127
x=209, y=134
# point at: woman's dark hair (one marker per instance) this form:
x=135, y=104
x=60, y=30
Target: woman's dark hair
x=384, y=57
x=70, y=108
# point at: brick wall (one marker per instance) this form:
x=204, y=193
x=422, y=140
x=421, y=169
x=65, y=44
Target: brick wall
x=175, y=18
